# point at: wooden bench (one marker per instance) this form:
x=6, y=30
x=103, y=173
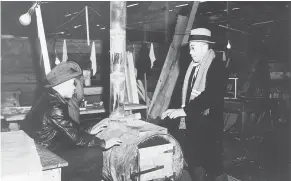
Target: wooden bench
x=17, y=148
x=51, y=164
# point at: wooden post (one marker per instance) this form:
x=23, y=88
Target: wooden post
x=145, y=26
x=87, y=26
x=117, y=58
x=166, y=21
x=228, y=23
x=169, y=75
x=289, y=95
x=41, y=36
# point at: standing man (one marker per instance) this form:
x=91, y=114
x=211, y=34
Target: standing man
x=202, y=108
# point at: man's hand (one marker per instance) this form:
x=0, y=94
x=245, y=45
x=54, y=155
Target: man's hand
x=167, y=113
x=97, y=129
x=177, y=113
x=112, y=142
x=174, y=113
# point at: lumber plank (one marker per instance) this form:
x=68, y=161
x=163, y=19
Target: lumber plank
x=131, y=80
x=20, y=78
x=151, y=157
x=190, y=22
x=42, y=39
x=170, y=71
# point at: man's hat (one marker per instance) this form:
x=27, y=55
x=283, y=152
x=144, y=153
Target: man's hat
x=200, y=35
x=62, y=72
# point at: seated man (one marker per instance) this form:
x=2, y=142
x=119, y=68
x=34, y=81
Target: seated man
x=51, y=125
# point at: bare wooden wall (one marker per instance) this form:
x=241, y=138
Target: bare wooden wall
x=17, y=69
x=77, y=50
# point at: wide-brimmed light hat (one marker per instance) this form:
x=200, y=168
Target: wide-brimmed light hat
x=200, y=35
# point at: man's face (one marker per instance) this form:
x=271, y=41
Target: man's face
x=66, y=89
x=197, y=50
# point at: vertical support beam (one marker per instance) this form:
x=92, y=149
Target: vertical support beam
x=228, y=22
x=145, y=28
x=87, y=26
x=117, y=58
x=41, y=36
x=228, y=32
x=289, y=161
x=166, y=21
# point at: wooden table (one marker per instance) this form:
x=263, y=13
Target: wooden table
x=13, y=114
x=15, y=141
x=51, y=164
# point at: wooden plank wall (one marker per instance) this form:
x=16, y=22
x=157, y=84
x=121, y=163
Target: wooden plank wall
x=77, y=50
x=75, y=46
x=17, y=70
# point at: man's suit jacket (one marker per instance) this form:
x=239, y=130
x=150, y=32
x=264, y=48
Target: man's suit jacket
x=212, y=99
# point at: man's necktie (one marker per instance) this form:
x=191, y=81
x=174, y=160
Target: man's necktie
x=190, y=84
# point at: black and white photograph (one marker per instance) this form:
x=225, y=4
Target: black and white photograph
x=145, y=90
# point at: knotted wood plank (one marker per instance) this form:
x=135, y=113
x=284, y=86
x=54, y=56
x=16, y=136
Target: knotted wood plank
x=169, y=75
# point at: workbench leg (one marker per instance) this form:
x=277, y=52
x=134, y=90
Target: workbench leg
x=52, y=175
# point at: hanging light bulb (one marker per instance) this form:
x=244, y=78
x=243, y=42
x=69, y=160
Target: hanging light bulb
x=228, y=45
x=25, y=19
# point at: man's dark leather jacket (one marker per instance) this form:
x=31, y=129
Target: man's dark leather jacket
x=50, y=125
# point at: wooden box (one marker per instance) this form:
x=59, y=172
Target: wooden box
x=156, y=162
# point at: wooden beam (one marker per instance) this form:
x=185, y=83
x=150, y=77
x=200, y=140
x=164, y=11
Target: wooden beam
x=117, y=58
x=170, y=71
x=131, y=85
x=41, y=36
x=289, y=171
x=166, y=22
x=20, y=78
x=190, y=22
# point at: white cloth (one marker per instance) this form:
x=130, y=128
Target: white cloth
x=65, y=54
x=152, y=55
x=223, y=56
x=57, y=61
